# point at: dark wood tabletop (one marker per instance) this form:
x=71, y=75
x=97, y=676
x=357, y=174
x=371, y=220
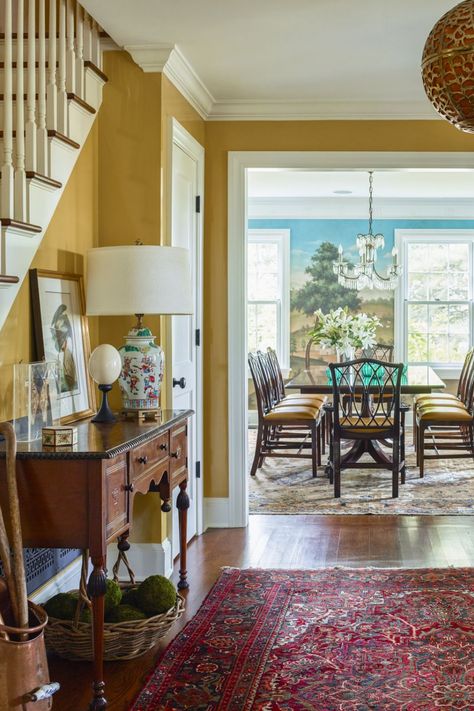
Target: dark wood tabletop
x=100, y=440
x=418, y=379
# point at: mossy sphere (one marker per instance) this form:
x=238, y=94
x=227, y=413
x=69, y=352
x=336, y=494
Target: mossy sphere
x=123, y=613
x=129, y=597
x=156, y=595
x=62, y=606
x=113, y=595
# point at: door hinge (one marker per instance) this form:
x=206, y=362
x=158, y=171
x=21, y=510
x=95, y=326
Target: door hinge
x=198, y=203
x=197, y=339
x=198, y=470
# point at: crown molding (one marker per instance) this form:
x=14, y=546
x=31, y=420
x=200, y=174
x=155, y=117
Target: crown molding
x=249, y=110
x=307, y=208
x=169, y=60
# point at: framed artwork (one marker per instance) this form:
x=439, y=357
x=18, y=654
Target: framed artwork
x=61, y=335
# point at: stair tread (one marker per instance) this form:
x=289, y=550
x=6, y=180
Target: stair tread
x=26, y=226
x=33, y=175
x=74, y=97
x=90, y=65
x=6, y=279
x=54, y=134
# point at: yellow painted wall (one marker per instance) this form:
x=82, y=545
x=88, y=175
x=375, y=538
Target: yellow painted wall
x=225, y=136
x=71, y=232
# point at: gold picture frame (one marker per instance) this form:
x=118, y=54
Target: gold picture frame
x=61, y=333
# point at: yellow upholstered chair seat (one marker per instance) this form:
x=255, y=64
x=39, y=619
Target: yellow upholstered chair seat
x=312, y=397
x=292, y=414
x=437, y=396
x=367, y=425
x=303, y=401
x=427, y=404
x=455, y=415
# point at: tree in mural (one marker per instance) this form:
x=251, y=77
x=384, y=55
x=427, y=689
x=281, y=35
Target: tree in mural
x=322, y=290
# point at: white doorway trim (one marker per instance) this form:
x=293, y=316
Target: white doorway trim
x=184, y=140
x=238, y=165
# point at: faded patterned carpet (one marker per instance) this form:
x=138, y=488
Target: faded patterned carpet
x=285, y=486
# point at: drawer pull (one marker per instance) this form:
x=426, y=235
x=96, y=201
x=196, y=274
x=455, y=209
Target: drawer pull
x=128, y=487
x=163, y=447
x=143, y=460
x=177, y=454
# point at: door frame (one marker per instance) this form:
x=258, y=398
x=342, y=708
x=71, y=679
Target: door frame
x=183, y=139
x=239, y=162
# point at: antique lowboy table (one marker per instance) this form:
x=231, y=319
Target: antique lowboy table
x=82, y=497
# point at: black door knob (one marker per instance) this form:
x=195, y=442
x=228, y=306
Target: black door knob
x=181, y=382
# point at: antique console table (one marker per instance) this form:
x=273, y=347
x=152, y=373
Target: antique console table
x=81, y=497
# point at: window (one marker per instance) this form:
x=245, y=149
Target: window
x=268, y=289
x=435, y=305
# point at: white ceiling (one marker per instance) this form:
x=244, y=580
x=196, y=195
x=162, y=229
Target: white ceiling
x=297, y=58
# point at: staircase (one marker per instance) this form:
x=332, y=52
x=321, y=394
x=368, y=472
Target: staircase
x=50, y=91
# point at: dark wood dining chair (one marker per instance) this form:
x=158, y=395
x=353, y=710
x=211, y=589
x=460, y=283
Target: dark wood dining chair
x=366, y=406
x=284, y=429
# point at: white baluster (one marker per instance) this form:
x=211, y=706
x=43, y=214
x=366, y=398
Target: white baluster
x=70, y=51
x=96, y=58
x=20, y=175
x=87, y=37
x=31, y=93
x=51, y=91
x=79, y=51
x=43, y=167
x=7, y=181
x=62, y=96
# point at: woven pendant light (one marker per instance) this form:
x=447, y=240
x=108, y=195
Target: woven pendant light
x=448, y=66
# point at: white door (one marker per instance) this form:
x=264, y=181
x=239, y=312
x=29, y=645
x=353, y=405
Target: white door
x=186, y=231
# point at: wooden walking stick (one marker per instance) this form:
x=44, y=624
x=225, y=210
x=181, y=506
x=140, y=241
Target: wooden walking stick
x=5, y=552
x=17, y=573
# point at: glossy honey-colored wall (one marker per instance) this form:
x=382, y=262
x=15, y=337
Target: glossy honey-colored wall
x=225, y=136
x=71, y=232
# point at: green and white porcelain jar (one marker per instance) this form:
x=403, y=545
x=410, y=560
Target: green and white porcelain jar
x=142, y=370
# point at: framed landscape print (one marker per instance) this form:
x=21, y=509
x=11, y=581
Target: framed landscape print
x=61, y=335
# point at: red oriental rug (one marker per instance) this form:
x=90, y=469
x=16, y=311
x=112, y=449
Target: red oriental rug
x=298, y=640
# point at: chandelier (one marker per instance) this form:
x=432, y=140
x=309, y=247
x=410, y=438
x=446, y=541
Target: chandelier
x=364, y=275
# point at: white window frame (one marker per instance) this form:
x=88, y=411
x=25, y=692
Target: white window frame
x=446, y=371
x=281, y=237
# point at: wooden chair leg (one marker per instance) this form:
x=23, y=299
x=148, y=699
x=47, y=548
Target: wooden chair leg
x=402, y=450
x=257, y=455
x=314, y=448
x=395, y=466
x=319, y=438
x=415, y=433
x=421, y=449
x=337, y=468
x=322, y=428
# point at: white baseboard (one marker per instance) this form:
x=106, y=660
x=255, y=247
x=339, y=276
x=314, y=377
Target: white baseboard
x=216, y=512
x=67, y=579
x=145, y=559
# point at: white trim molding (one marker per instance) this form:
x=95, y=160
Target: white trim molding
x=216, y=512
x=169, y=60
x=145, y=559
x=238, y=165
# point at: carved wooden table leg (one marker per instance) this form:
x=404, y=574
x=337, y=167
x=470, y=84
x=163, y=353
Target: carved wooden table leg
x=165, y=492
x=182, y=504
x=96, y=588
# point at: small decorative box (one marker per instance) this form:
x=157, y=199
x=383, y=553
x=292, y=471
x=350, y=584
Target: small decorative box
x=61, y=436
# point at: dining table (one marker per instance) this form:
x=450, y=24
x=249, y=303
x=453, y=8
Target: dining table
x=416, y=379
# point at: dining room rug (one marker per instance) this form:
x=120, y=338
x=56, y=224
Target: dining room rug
x=285, y=486
x=352, y=640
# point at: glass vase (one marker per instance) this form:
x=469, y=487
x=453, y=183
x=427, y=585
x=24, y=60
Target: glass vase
x=343, y=355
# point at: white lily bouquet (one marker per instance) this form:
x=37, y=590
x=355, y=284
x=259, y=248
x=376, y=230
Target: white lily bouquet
x=344, y=331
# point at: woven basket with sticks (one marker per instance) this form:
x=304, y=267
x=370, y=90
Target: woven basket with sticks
x=72, y=639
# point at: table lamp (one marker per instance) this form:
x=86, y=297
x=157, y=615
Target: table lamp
x=139, y=279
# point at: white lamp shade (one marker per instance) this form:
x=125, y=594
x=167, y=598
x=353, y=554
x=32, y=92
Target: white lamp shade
x=138, y=279
x=105, y=364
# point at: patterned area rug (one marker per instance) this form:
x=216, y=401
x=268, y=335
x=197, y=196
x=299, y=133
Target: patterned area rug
x=351, y=640
x=285, y=486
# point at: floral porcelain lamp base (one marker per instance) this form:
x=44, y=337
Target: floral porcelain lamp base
x=142, y=374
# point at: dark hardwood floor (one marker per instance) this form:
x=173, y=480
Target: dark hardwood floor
x=282, y=542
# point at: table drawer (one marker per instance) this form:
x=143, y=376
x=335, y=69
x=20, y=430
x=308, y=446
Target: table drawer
x=178, y=449
x=116, y=493
x=149, y=454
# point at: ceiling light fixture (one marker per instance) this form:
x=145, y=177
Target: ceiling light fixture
x=364, y=275
x=447, y=63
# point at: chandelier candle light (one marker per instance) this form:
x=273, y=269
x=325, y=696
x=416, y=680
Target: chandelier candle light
x=365, y=275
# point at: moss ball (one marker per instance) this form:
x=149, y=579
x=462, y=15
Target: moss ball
x=156, y=595
x=86, y=615
x=123, y=613
x=113, y=595
x=129, y=597
x=62, y=606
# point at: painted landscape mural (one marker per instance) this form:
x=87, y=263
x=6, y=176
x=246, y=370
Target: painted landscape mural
x=313, y=248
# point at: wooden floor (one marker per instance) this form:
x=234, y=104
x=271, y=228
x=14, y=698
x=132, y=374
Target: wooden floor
x=283, y=542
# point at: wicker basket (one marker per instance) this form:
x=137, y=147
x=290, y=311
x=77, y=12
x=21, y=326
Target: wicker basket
x=72, y=639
